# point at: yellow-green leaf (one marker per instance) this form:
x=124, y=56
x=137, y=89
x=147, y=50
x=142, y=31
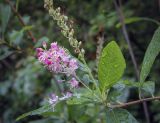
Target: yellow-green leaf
x=111, y=65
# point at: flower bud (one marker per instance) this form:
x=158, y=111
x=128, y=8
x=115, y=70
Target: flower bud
x=44, y=44
x=82, y=51
x=79, y=44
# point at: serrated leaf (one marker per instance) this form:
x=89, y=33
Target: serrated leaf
x=150, y=55
x=111, y=65
x=149, y=87
x=5, y=15
x=38, y=111
x=119, y=116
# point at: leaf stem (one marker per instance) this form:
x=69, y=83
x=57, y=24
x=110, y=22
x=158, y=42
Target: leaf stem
x=82, y=82
x=86, y=87
x=89, y=72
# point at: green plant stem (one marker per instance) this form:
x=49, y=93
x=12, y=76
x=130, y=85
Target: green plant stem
x=82, y=83
x=89, y=72
x=86, y=86
x=91, y=76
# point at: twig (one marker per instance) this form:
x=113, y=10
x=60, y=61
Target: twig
x=125, y=33
x=134, y=102
x=20, y=20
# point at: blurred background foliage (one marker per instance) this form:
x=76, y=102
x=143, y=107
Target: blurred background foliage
x=24, y=83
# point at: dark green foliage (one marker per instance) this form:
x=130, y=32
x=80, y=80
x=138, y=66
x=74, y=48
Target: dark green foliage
x=150, y=55
x=119, y=116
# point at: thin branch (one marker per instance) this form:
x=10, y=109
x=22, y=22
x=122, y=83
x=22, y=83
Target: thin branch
x=126, y=36
x=125, y=33
x=134, y=102
x=21, y=20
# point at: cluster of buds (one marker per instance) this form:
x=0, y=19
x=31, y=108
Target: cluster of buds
x=66, y=27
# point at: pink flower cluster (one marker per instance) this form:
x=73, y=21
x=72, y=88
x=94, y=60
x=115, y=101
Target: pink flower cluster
x=57, y=60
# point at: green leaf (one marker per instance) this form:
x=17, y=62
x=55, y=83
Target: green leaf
x=5, y=15
x=149, y=87
x=39, y=42
x=83, y=96
x=150, y=55
x=119, y=92
x=111, y=65
x=16, y=37
x=119, y=116
x=38, y=111
x=77, y=101
x=5, y=52
x=86, y=79
x=137, y=19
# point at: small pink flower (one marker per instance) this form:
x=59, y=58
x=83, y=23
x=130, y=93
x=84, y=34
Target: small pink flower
x=73, y=64
x=69, y=94
x=39, y=51
x=53, y=99
x=73, y=83
x=48, y=62
x=54, y=46
x=66, y=96
x=60, y=81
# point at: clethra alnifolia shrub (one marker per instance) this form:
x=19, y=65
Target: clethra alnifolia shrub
x=107, y=91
